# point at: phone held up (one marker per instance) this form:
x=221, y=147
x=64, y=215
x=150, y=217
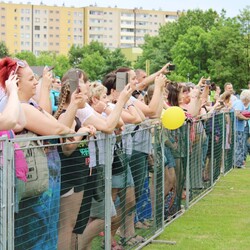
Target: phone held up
x=208, y=82
x=121, y=80
x=74, y=81
x=171, y=67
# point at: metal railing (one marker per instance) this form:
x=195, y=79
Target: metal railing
x=201, y=151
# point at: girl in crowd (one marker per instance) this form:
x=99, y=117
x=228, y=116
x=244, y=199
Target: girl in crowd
x=136, y=148
x=88, y=116
x=36, y=221
x=74, y=171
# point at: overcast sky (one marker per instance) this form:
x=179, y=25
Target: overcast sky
x=232, y=7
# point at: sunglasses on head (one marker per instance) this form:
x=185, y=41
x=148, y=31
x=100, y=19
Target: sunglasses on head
x=19, y=64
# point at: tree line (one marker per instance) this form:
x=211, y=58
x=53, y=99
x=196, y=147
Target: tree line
x=199, y=43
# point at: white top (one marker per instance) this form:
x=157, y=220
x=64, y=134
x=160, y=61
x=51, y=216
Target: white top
x=84, y=113
x=3, y=99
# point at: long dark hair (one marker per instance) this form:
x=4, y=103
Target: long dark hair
x=174, y=89
x=109, y=80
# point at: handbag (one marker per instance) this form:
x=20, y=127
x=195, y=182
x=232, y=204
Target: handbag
x=246, y=113
x=38, y=171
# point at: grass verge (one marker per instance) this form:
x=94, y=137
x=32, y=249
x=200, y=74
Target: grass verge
x=221, y=220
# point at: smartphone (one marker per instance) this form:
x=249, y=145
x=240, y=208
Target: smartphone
x=73, y=81
x=208, y=82
x=51, y=68
x=171, y=67
x=121, y=80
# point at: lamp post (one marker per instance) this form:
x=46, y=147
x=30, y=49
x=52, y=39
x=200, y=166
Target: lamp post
x=134, y=11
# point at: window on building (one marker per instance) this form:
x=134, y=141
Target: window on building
x=37, y=27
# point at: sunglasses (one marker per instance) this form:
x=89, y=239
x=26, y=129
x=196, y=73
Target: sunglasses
x=19, y=64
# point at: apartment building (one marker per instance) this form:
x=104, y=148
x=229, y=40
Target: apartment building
x=36, y=28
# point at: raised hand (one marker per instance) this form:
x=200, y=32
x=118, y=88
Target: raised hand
x=12, y=83
x=126, y=93
x=160, y=81
x=47, y=77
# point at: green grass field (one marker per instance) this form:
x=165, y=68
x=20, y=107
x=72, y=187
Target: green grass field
x=221, y=220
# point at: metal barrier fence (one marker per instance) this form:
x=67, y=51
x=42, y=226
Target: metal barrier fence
x=103, y=187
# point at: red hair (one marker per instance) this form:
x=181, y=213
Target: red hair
x=7, y=65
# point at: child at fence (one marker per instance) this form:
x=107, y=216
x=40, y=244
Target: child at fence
x=140, y=145
x=122, y=181
x=88, y=116
x=36, y=221
x=74, y=170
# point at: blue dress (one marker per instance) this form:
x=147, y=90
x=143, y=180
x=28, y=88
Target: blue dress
x=36, y=223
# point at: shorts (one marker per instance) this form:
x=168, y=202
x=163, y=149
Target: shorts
x=169, y=160
x=98, y=209
x=118, y=181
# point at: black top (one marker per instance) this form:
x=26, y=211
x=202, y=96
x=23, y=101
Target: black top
x=74, y=168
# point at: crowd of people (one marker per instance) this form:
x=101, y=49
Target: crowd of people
x=48, y=106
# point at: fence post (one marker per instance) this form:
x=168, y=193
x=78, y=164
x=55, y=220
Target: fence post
x=187, y=168
x=223, y=144
x=10, y=195
x=158, y=176
x=3, y=193
x=108, y=180
x=212, y=151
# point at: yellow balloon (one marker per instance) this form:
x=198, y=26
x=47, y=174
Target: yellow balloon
x=173, y=118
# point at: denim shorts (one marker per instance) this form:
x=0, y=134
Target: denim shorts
x=169, y=158
x=98, y=209
x=118, y=181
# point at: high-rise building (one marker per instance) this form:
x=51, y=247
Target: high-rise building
x=36, y=28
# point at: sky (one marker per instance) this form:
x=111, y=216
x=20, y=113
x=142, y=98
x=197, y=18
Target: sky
x=232, y=7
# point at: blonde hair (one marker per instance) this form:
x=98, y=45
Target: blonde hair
x=63, y=98
x=95, y=90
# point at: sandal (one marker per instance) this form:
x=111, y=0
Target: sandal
x=116, y=246
x=141, y=225
x=132, y=241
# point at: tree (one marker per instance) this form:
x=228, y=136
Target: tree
x=202, y=43
x=62, y=65
x=3, y=50
x=94, y=65
x=28, y=56
x=244, y=19
x=114, y=60
x=191, y=53
x=108, y=60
